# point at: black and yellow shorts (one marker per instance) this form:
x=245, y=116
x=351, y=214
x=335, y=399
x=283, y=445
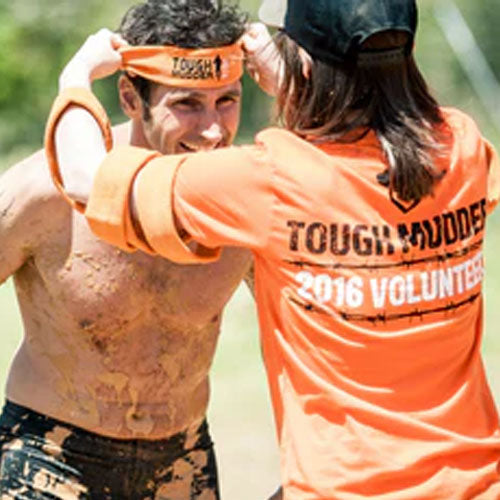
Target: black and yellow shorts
x=43, y=458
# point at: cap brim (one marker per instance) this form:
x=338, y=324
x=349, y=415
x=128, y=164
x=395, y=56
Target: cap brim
x=272, y=13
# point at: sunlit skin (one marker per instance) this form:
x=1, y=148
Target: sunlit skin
x=119, y=344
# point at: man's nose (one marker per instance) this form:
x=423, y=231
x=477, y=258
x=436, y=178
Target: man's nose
x=212, y=130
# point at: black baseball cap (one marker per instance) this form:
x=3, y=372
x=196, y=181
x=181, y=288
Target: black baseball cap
x=334, y=30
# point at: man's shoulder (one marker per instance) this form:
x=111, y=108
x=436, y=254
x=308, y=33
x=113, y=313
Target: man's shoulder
x=30, y=180
x=32, y=173
x=32, y=212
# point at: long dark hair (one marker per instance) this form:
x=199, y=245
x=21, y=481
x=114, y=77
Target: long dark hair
x=390, y=97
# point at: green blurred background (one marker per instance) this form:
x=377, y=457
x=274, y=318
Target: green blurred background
x=458, y=48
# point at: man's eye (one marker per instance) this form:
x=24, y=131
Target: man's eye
x=186, y=104
x=227, y=100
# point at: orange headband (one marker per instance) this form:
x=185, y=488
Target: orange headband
x=177, y=67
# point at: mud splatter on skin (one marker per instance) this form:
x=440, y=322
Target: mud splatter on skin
x=89, y=260
x=192, y=435
x=25, y=475
x=85, y=324
x=100, y=344
x=56, y=486
x=27, y=279
x=186, y=473
x=157, y=283
x=19, y=493
x=65, y=366
x=170, y=366
x=55, y=439
x=16, y=444
x=168, y=389
x=118, y=381
x=139, y=423
x=104, y=341
x=5, y=211
x=90, y=406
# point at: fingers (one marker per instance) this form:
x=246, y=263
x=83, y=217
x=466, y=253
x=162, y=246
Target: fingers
x=255, y=38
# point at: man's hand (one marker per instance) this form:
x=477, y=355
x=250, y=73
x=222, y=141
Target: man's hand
x=97, y=58
x=264, y=62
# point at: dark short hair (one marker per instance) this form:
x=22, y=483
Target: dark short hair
x=187, y=24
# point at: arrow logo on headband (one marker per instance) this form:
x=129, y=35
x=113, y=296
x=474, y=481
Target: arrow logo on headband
x=218, y=67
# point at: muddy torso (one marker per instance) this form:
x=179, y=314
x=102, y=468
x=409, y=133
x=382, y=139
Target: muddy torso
x=117, y=343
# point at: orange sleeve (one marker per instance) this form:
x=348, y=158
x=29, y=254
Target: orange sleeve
x=493, y=195
x=225, y=197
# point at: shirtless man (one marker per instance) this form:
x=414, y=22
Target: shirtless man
x=107, y=394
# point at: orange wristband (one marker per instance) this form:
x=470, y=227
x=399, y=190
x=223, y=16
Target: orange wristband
x=73, y=97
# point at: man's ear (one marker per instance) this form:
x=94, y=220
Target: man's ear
x=130, y=100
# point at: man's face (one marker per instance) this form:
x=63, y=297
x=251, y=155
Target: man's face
x=187, y=120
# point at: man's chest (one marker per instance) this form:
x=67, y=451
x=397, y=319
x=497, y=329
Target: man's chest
x=96, y=283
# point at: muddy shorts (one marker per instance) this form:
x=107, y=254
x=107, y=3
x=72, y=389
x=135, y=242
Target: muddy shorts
x=42, y=458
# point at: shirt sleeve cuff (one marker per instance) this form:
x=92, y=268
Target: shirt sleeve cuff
x=108, y=207
x=154, y=204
